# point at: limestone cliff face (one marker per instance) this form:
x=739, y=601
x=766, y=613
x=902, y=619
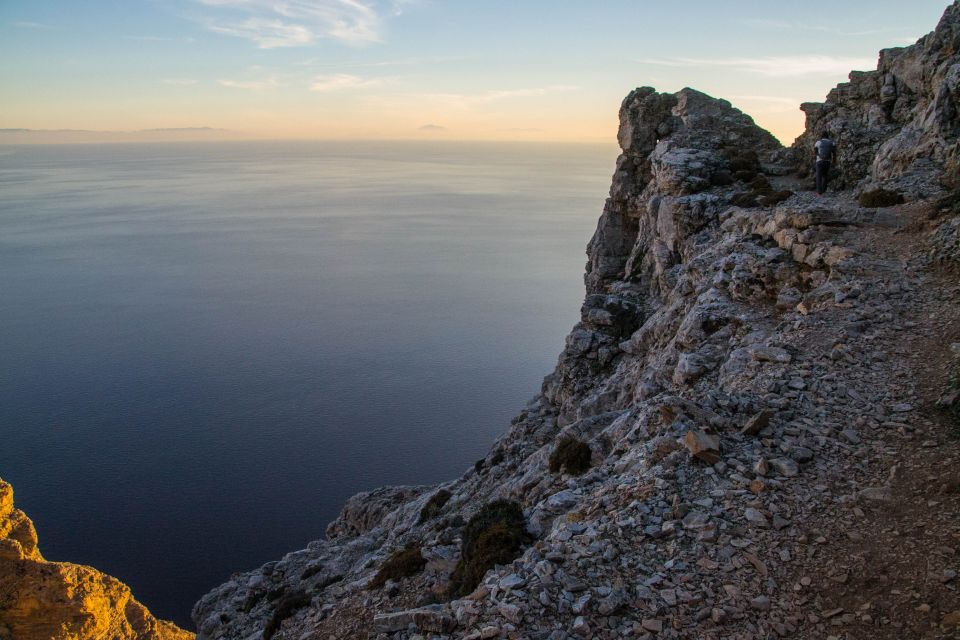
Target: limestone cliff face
x=725, y=375
x=899, y=125
x=42, y=600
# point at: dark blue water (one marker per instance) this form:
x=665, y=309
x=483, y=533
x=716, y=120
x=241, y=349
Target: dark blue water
x=208, y=347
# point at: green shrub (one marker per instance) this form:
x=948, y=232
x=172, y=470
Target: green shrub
x=571, y=455
x=879, y=198
x=494, y=535
x=402, y=564
x=745, y=176
x=434, y=505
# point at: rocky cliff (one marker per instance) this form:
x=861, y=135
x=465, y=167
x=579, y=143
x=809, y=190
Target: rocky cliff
x=745, y=435
x=41, y=600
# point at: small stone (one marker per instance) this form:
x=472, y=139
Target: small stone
x=771, y=354
x=755, y=517
x=652, y=625
x=951, y=619
x=511, y=612
x=758, y=422
x=851, y=436
x=760, y=603
x=703, y=446
x=785, y=467
x=581, y=627
x=512, y=581
x=875, y=494
x=761, y=467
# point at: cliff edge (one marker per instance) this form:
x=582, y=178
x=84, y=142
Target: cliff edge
x=42, y=600
x=751, y=433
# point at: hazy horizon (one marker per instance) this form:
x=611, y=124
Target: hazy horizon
x=416, y=69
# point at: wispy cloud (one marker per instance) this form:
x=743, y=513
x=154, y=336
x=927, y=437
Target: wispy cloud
x=156, y=39
x=431, y=127
x=341, y=81
x=251, y=85
x=291, y=23
x=34, y=25
x=396, y=62
x=788, y=25
x=773, y=66
x=485, y=97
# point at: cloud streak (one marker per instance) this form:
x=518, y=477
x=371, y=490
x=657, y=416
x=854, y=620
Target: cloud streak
x=342, y=81
x=773, y=66
x=785, y=25
x=250, y=85
x=34, y=25
x=272, y=24
x=472, y=99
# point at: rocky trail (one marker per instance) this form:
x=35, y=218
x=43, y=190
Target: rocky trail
x=878, y=555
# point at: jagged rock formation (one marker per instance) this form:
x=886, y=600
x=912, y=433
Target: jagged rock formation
x=42, y=600
x=899, y=125
x=743, y=378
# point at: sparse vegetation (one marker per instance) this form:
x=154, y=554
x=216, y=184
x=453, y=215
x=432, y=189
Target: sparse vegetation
x=879, y=198
x=570, y=455
x=744, y=199
x=494, y=535
x=402, y=564
x=290, y=602
x=434, y=505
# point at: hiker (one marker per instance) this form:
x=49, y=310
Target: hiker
x=823, y=152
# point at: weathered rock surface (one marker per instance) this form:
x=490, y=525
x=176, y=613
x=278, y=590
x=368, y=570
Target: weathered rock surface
x=897, y=126
x=742, y=378
x=42, y=600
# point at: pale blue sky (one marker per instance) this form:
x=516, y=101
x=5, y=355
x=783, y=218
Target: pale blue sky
x=489, y=69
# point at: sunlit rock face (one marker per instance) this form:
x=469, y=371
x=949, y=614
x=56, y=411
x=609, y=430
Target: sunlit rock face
x=42, y=600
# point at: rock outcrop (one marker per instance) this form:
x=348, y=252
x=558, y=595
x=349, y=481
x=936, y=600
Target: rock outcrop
x=897, y=126
x=752, y=373
x=42, y=600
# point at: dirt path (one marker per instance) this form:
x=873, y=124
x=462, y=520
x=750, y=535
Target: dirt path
x=883, y=556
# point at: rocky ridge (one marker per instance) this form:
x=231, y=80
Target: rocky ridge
x=764, y=383
x=40, y=600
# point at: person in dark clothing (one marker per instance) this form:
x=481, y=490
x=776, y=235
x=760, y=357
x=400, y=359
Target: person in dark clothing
x=823, y=152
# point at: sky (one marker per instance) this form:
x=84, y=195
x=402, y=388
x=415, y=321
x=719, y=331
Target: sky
x=550, y=70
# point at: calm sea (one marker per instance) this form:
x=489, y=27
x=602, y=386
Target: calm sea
x=206, y=348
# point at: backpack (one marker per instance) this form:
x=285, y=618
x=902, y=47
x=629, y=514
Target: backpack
x=825, y=148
